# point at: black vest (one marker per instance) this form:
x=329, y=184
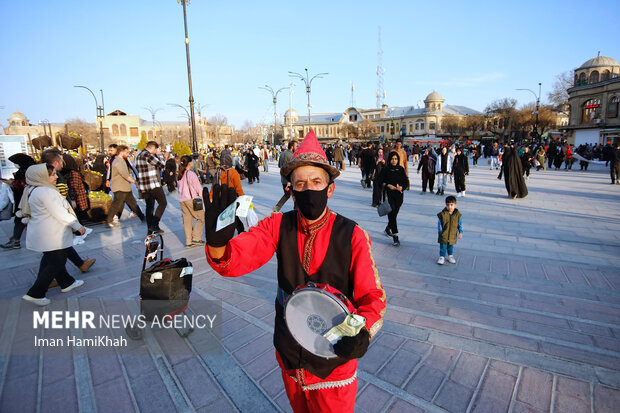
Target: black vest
x=291, y=274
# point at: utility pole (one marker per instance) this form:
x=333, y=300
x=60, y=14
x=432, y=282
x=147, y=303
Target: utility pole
x=153, y=112
x=275, y=115
x=189, y=80
x=306, y=79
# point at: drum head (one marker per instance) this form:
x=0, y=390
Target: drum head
x=311, y=312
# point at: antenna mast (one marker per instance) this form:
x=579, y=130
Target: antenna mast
x=352, y=95
x=380, y=72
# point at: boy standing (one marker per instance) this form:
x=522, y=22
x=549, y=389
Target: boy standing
x=450, y=227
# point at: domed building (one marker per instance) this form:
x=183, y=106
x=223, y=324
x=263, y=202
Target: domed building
x=595, y=102
x=18, y=119
x=407, y=122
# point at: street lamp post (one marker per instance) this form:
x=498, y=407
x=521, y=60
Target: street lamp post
x=308, y=82
x=189, y=80
x=535, y=131
x=290, y=110
x=100, y=112
x=274, y=95
x=153, y=112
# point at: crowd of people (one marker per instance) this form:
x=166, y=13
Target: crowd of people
x=383, y=168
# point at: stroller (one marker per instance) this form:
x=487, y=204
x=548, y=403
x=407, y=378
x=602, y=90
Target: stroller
x=164, y=286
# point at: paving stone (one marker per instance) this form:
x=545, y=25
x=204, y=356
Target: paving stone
x=468, y=370
x=606, y=399
x=221, y=405
x=537, y=318
x=113, y=396
x=262, y=365
x=59, y=396
x=254, y=348
x=400, y=406
x=241, y=337
x=197, y=383
x=425, y=382
x=453, y=397
x=19, y=395
x=272, y=383
x=104, y=367
x=535, y=389
x=506, y=339
x=372, y=399
x=568, y=404
x=374, y=358
x=151, y=394
x=548, y=331
x=441, y=325
x=397, y=370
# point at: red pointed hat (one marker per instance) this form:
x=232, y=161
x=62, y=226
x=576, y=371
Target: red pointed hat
x=310, y=153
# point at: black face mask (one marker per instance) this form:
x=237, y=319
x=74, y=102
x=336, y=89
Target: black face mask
x=311, y=204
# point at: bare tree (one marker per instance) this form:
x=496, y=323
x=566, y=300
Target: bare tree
x=350, y=131
x=559, y=95
x=217, y=121
x=451, y=124
x=502, y=114
x=367, y=129
x=475, y=123
x=88, y=131
x=525, y=118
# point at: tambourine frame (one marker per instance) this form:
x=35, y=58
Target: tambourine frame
x=324, y=292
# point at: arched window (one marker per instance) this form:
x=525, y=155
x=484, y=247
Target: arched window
x=576, y=80
x=594, y=77
x=410, y=127
x=123, y=130
x=419, y=124
x=431, y=125
x=582, y=79
x=605, y=75
x=115, y=130
x=612, y=108
x=591, y=110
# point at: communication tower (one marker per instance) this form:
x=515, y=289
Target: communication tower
x=380, y=72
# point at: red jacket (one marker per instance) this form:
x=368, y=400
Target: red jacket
x=253, y=249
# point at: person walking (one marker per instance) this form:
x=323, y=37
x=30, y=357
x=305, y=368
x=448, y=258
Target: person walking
x=443, y=168
x=614, y=165
x=190, y=190
x=149, y=165
x=77, y=196
x=395, y=181
x=377, y=184
x=460, y=169
x=285, y=157
x=427, y=164
x=339, y=157
x=449, y=228
x=526, y=161
x=51, y=222
x=513, y=173
x=170, y=172
x=120, y=184
x=540, y=157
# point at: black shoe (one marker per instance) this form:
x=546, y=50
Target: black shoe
x=438, y=192
x=442, y=192
x=388, y=232
x=396, y=242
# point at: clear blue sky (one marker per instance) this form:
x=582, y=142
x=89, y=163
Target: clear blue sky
x=470, y=52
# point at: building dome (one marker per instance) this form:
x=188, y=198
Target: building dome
x=17, y=117
x=599, y=61
x=292, y=114
x=434, y=97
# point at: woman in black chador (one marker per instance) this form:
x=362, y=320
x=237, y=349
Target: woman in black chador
x=460, y=168
x=395, y=180
x=513, y=173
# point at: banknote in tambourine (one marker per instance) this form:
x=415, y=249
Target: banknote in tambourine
x=351, y=326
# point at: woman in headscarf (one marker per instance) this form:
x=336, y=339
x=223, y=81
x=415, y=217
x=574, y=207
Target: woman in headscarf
x=190, y=188
x=18, y=183
x=395, y=180
x=460, y=168
x=513, y=173
x=377, y=185
x=540, y=157
x=77, y=194
x=51, y=223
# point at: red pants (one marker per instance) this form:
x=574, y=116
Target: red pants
x=308, y=393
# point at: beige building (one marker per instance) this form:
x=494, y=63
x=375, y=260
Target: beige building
x=390, y=122
x=594, y=100
x=19, y=124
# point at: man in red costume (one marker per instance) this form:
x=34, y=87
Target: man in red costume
x=313, y=244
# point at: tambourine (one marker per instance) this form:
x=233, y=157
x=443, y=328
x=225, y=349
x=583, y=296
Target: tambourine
x=310, y=312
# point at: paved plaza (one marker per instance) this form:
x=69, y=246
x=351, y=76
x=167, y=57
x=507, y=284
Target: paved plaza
x=528, y=320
